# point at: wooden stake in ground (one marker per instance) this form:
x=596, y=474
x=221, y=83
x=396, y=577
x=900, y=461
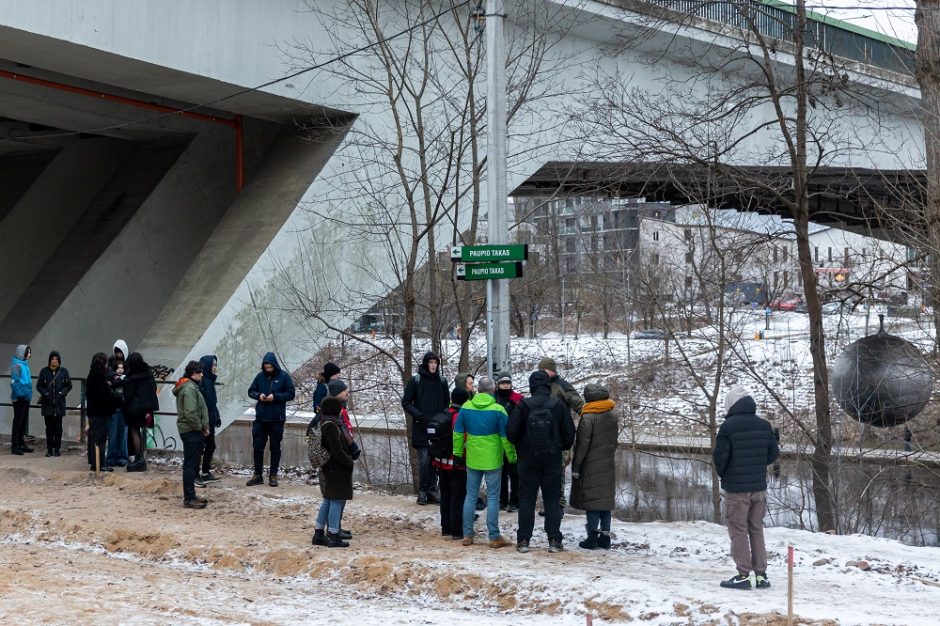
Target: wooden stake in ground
x=97, y=461
x=789, y=585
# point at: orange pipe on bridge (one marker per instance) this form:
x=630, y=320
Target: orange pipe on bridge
x=235, y=123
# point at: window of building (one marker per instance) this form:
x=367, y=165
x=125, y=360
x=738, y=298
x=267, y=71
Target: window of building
x=688, y=258
x=830, y=254
x=570, y=264
x=654, y=259
x=774, y=248
x=688, y=234
x=569, y=245
x=786, y=253
x=569, y=225
x=786, y=279
x=655, y=235
x=816, y=254
x=688, y=282
x=846, y=262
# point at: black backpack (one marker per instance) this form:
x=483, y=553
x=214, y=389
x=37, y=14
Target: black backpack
x=540, y=437
x=441, y=435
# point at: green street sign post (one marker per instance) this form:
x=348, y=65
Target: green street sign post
x=489, y=271
x=489, y=253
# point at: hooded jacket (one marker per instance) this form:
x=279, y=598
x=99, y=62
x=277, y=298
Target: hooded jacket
x=121, y=345
x=563, y=433
x=595, y=449
x=279, y=384
x=192, y=415
x=140, y=395
x=564, y=391
x=425, y=396
x=207, y=386
x=480, y=434
x=53, y=386
x=21, y=380
x=744, y=447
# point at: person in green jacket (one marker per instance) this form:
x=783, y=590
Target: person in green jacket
x=480, y=437
x=192, y=421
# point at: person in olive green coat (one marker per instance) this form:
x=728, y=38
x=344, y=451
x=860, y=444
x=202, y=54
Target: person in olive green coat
x=593, y=470
x=192, y=421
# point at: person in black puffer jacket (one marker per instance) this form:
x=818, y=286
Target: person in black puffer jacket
x=54, y=385
x=100, y=403
x=425, y=396
x=744, y=447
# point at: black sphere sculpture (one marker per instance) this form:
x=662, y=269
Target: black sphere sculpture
x=882, y=380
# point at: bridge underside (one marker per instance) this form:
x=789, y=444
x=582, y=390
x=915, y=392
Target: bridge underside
x=880, y=202
x=121, y=216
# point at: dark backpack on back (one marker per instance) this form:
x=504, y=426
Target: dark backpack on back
x=540, y=436
x=441, y=435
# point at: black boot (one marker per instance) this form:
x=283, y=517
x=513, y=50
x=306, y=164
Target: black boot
x=591, y=542
x=55, y=452
x=603, y=540
x=333, y=540
x=319, y=537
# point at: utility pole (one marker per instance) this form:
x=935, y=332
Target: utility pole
x=497, y=192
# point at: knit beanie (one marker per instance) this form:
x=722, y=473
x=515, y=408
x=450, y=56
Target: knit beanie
x=548, y=363
x=503, y=377
x=329, y=370
x=736, y=393
x=336, y=387
x=459, y=396
x=593, y=393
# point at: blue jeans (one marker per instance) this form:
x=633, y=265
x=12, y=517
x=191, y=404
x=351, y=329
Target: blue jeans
x=474, y=478
x=595, y=518
x=117, y=440
x=330, y=515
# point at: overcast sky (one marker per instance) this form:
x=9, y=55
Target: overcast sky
x=890, y=17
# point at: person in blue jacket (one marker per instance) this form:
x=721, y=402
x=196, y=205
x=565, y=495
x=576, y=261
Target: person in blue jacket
x=21, y=383
x=273, y=389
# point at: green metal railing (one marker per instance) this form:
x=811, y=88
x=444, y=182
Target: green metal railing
x=778, y=20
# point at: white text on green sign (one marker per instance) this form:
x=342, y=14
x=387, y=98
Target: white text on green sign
x=489, y=271
x=493, y=252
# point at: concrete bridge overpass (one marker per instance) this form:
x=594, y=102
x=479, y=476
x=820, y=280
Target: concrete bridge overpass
x=149, y=191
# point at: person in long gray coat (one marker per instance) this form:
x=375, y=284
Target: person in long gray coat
x=593, y=469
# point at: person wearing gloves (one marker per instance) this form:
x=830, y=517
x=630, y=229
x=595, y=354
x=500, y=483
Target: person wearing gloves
x=272, y=388
x=21, y=393
x=53, y=386
x=744, y=447
x=593, y=471
x=192, y=421
x=210, y=370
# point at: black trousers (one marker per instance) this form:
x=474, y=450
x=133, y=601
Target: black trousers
x=261, y=432
x=97, y=436
x=53, y=432
x=20, y=417
x=192, y=450
x=509, y=485
x=547, y=476
x=208, y=449
x=453, y=485
x=427, y=473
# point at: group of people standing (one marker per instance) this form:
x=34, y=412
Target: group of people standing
x=120, y=401
x=517, y=446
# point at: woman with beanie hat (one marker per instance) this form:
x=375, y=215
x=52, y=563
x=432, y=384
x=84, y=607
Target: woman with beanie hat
x=593, y=470
x=330, y=372
x=335, y=476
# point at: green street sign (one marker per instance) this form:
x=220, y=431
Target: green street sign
x=489, y=271
x=489, y=253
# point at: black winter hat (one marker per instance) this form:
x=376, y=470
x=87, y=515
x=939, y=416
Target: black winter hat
x=336, y=387
x=329, y=370
x=331, y=406
x=459, y=396
x=539, y=379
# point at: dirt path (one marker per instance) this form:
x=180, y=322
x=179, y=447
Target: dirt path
x=75, y=548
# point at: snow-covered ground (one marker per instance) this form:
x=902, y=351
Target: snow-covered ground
x=123, y=550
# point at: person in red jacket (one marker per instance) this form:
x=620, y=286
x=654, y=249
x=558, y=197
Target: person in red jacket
x=453, y=477
x=509, y=490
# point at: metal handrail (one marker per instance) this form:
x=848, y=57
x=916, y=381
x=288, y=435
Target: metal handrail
x=779, y=21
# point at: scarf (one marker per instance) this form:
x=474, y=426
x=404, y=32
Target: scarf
x=599, y=406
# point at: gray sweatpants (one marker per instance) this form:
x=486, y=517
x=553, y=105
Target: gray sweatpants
x=744, y=513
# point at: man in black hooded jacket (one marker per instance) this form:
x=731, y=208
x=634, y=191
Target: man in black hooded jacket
x=541, y=428
x=273, y=389
x=425, y=396
x=210, y=369
x=744, y=447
